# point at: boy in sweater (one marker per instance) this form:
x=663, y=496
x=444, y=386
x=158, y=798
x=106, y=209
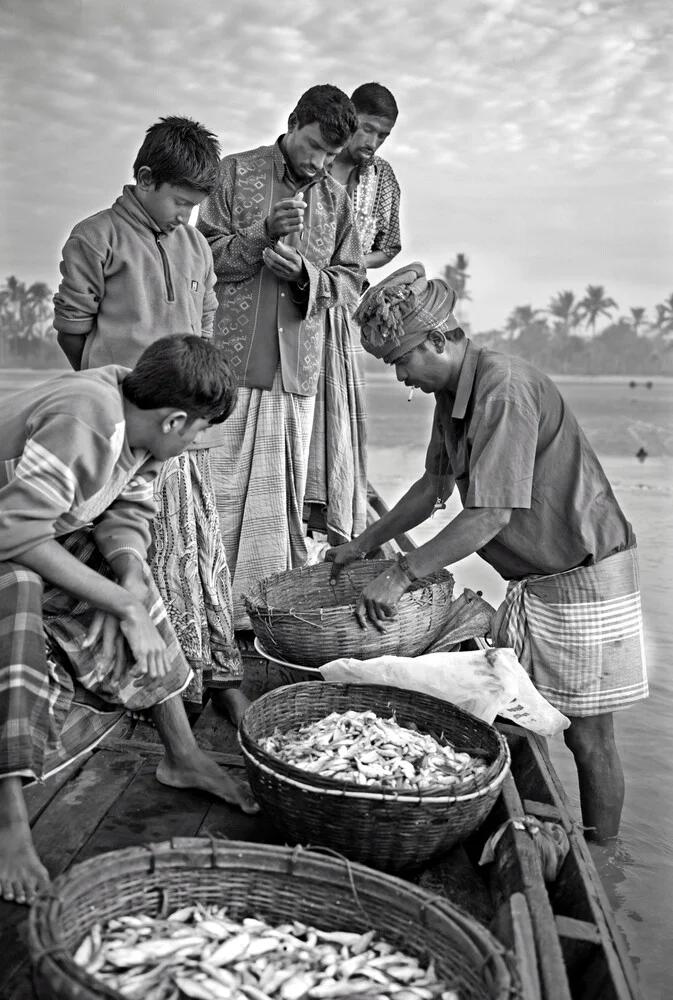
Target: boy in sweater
x=131, y=273
x=78, y=459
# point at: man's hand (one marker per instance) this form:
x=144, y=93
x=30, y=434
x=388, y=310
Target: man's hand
x=286, y=216
x=342, y=555
x=285, y=262
x=147, y=647
x=379, y=599
x=133, y=578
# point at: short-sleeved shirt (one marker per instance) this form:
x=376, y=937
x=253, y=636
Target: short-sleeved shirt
x=509, y=440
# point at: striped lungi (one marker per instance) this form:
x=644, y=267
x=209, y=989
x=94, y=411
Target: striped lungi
x=579, y=635
x=259, y=474
x=189, y=566
x=53, y=656
x=337, y=467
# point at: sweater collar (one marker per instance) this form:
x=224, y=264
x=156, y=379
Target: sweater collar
x=130, y=208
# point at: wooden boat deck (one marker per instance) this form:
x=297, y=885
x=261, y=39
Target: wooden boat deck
x=566, y=943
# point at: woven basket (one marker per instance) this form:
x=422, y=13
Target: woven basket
x=386, y=829
x=275, y=883
x=300, y=617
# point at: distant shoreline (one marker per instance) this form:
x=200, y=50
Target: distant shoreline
x=381, y=375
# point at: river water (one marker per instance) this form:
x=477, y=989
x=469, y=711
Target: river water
x=638, y=869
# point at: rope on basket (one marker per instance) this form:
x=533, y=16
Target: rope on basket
x=319, y=849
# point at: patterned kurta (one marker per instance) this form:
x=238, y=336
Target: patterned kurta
x=262, y=320
x=375, y=196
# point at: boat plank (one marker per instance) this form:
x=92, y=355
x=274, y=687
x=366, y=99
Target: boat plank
x=39, y=795
x=60, y=832
x=517, y=868
x=514, y=927
x=622, y=977
x=147, y=812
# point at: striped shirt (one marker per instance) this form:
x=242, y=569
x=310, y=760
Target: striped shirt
x=65, y=463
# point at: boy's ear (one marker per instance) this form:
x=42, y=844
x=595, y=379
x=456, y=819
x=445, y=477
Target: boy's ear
x=174, y=421
x=292, y=121
x=144, y=178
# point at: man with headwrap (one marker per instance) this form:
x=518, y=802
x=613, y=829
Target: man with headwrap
x=537, y=506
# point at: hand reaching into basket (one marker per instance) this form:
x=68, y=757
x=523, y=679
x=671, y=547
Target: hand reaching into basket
x=379, y=599
x=342, y=555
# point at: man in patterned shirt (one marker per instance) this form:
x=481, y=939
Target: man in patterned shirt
x=83, y=631
x=336, y=488
x=285, y=249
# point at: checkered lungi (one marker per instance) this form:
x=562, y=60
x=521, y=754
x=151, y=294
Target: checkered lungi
x=337, y=465
x=259, y=474
x=57, y=697
x=579, y=635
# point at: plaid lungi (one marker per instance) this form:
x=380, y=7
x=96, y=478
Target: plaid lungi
x=579, y=635
x=259, y=474
x=52, y=656
x=189, y=566
x=337, y=465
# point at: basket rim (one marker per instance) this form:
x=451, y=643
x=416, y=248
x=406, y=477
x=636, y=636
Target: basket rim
x=301, y=862
x=348, y=792
x=299, y=778
x=255, y=596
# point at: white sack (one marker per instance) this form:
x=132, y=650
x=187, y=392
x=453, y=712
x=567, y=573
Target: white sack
x=485, y=682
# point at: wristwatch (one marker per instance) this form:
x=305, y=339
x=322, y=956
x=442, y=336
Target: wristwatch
x=406, y=569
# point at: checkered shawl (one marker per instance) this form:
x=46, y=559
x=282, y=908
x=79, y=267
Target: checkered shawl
x=259, y=475
x=337, y=464
x=52, y=657
x=579, y=635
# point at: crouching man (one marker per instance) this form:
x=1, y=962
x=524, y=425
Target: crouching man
x=78, y=456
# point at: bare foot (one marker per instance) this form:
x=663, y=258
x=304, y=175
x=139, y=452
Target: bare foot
x=22, y=874
x=231, y=701
x=203, y=773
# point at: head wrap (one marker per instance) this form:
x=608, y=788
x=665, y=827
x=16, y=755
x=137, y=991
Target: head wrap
x=397, y=314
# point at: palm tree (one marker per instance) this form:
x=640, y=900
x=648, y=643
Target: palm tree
x=38, y=311
x=457, y=276
x=13, y=299
x=520, y=318
x=565, y=308
x=637, y=318
x=664, y=322
x=595, y=304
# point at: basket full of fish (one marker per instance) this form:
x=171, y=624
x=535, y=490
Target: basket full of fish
x=388, y=777
x=226, y=920
x=302, y=618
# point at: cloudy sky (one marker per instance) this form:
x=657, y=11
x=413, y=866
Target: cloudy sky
x=534, y=135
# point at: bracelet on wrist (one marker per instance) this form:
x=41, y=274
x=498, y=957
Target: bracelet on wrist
x=406, y=569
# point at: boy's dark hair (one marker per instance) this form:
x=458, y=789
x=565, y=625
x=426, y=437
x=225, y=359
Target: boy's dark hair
x=331, y=108
x=183, y=372
x=374, y=99
x=180, y=151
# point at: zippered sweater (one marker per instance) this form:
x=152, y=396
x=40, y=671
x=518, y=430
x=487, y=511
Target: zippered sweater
x=125, y=283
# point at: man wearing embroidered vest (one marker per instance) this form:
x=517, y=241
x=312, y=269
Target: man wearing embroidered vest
x=286, y=249
x=537, y=506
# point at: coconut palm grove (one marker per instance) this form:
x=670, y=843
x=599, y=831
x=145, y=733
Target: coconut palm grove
x=575, y=333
